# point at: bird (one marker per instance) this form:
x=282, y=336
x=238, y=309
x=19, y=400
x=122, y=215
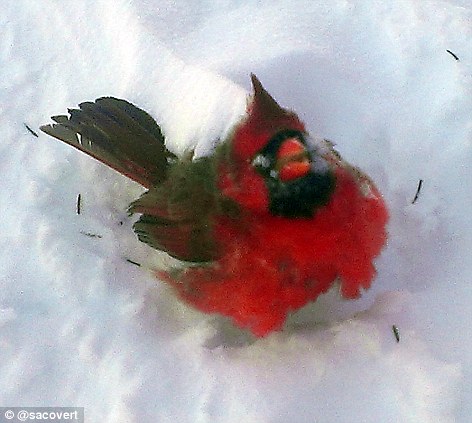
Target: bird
x=264, y=224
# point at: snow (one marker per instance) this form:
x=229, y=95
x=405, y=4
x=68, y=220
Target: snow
x=82, y=326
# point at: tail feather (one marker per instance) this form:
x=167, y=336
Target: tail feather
x=118, y=134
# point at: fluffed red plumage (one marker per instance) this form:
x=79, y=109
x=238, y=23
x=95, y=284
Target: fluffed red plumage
x=267, y=232
x=272, y=266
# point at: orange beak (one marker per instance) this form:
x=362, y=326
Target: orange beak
x=293, y=160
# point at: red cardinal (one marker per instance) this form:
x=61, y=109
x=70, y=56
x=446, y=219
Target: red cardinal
x=263, y=226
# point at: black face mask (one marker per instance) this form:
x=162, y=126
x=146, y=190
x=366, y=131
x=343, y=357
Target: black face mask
x=299, y=197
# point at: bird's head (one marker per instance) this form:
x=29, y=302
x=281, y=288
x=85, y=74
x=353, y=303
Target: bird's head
x=273, y=165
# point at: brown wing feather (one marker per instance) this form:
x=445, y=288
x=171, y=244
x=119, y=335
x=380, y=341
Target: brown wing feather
x=178, y=214
x=118, y=134
x=185, y=241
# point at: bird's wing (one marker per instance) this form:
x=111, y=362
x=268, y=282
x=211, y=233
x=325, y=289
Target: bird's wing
x=178, y=215
x=118, y=134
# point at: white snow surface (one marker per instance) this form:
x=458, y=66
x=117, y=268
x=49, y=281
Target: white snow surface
x=82, y=326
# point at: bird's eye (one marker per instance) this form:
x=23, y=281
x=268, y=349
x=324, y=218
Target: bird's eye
x=292, y=160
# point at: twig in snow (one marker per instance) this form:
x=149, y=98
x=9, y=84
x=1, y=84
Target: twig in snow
x=30, y=130
x=90, y=235
x=133, y=262
x=420, y=184
x=452, y=54
x=79, y=203
x=396, y=333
